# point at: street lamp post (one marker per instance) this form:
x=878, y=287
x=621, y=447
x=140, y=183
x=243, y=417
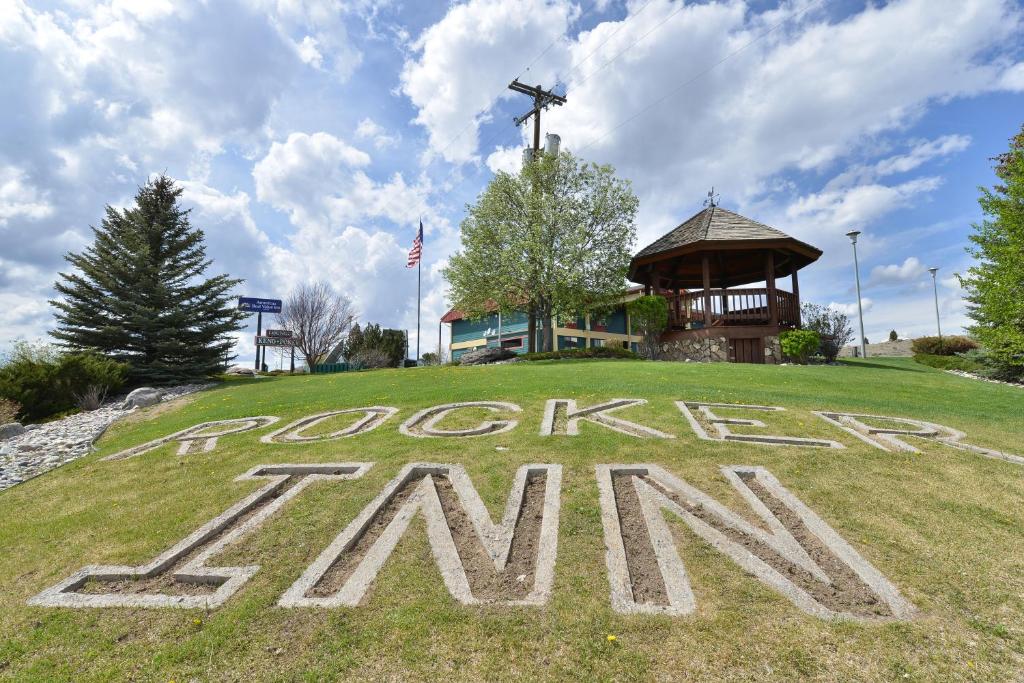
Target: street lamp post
x=935, y=289
x=860, y=308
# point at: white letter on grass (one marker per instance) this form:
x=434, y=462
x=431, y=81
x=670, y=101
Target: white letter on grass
x=373, y=417
x=496, y=539
x=190, y=438
x=774, y=556
x=424, y=423
x=199, y=547
x=565, y=408
x=723, y=433
x=881, y=437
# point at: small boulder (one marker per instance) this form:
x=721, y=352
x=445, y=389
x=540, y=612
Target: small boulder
x=143, y=397
x=240, y=370
x=482, y=356
x=11, y=430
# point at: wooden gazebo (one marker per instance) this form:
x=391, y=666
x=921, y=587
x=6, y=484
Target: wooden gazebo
x=700, y=267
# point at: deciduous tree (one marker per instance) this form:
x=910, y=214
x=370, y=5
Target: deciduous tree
x=832, y=326
x=648, y=315
x=319, y=319
x=554, y=239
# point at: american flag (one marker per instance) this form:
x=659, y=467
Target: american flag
x=417, y=248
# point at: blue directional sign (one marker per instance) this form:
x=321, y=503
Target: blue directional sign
x=248, y=303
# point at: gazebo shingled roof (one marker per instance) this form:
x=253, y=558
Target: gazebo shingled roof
x=735, y=245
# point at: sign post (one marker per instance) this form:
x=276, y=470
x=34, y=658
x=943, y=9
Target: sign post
x=259, y=306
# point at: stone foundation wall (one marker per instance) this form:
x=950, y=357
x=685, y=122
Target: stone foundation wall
x=701, y=349
x=714, y=350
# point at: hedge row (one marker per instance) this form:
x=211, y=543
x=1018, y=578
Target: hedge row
x=949, y=362
x=943, y=346
x=47, y=382
x=592, y=352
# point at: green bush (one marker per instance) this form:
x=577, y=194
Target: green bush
x=992, y=366
x=47, y=382
x=949, y=362
x=592, y=352
x=648, y=316
x=943, y=346
x=799, y=344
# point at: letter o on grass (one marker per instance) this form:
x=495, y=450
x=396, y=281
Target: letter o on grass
x=424, y=423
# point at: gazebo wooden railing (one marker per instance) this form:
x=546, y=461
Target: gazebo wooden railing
x=739, y=306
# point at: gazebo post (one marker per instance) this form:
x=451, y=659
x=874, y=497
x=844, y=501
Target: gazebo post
x=706, y=269
x=769, y=276
x=796, y=298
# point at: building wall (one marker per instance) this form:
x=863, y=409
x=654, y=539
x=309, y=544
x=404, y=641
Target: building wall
x=580, y=332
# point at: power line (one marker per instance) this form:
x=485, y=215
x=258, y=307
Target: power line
x=611, y=35
x=494, y=98
x=621, y=52
x=699, y=75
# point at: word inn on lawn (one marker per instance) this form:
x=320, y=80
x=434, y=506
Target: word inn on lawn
x=512, y=561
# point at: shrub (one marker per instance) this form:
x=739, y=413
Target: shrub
x=893, y=336
x=949, y=362
x=46, y=382
x=799, y=344
x=992, y=366
x=649, y=316
x=391, y=342
x=91, y=398
x=370, y=359
x=8, y=411
x=943, y=346
x=593, y=352
x=831, y=325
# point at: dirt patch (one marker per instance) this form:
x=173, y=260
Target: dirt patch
x=165, y=583
x=343, y=567
x=515, y=582
x=845, y=592
x=517, y=579
x=644, y=573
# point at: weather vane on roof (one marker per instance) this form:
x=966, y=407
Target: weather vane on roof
x=713, y=198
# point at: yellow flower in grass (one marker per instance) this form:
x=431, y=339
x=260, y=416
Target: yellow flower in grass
x=611, y=638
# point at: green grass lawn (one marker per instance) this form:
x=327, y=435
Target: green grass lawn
x=945, y=526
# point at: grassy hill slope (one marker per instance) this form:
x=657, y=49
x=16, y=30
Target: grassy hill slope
x=945, y=526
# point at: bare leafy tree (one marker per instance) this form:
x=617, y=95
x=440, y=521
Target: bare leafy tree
x=833, y=326
x=319, y=319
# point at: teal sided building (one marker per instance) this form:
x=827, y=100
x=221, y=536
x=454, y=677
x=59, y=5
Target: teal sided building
x=510, y=331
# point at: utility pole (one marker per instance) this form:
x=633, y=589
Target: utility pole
x=542, y=99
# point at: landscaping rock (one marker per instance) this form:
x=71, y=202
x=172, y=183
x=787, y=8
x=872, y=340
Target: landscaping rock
x=143, y=397
x=43, y=447
x=484, y=356
x=11, y=430
x=241, y=371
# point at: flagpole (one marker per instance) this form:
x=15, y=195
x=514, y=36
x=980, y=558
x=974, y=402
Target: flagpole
x=419, y=280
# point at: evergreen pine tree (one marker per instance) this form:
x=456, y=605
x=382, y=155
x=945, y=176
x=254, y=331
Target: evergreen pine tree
x=995, y=285
x=139, y=294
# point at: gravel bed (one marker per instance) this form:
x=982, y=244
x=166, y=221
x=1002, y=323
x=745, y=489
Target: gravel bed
x=968, y=375
x=47, y=446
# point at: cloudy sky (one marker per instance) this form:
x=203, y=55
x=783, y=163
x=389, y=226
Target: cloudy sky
x=312, y=135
